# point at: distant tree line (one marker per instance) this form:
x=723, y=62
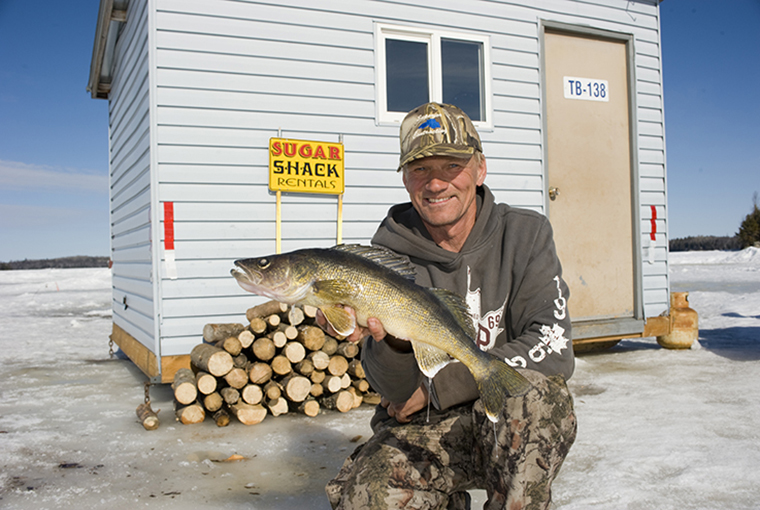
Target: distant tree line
x=705, y=243
x=59, y=263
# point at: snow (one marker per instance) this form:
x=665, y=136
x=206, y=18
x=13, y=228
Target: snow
x=657, y=429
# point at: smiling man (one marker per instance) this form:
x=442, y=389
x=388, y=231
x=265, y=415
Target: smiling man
x=503, y=261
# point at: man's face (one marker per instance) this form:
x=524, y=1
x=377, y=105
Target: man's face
x=443, y=189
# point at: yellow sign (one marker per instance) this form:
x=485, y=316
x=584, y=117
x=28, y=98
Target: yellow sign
x=301, y=166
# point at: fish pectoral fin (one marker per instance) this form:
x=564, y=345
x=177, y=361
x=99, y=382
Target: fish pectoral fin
x=430, y=359
x=341, y=321
x=334, y=289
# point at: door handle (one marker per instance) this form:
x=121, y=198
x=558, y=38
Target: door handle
x=553, y=193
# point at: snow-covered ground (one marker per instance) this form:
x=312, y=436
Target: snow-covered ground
x=657, y=429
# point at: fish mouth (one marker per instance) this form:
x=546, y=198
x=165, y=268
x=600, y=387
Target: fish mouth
x=246, y=277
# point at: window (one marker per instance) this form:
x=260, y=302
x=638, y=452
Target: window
x=416, y=66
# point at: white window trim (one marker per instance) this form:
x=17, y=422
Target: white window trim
x=435, y=86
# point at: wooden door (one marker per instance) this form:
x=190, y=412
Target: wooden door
x=590, y=178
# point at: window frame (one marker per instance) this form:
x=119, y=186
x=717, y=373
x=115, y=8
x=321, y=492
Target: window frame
x=432, y=37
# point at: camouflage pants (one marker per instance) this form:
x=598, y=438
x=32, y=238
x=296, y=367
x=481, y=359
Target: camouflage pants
x=430, y=464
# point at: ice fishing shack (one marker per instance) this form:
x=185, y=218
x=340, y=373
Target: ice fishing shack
x=566, y=94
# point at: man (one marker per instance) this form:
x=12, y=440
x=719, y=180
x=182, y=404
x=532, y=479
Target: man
x=504, y=261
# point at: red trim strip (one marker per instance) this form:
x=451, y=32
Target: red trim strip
x=653, y=223
x=169, y=225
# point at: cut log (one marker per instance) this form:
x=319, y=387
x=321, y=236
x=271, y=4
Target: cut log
x=232, y=345
x=312, y=337
x=358, y=397
x=278, y=338
x=213, y=333
x=230, y=395
x=291, y=332
x=205, y=382
x=355, y=369
x=211, y=359
x=190, y=413
x=295, y=316
x=319, y=359
x=348, y=350
x=272, y=390
x=281, y=365
x=317, y=376
x=372, y=398
x=332, y=384
x=361, y=385
x=258, y=325
x=252, y=394
x=212, y=402
x=221, y=418
x=277, y=406
x=236, y=378
x=246, y=338
x=148, y=417
x=266, y=309
x=342, y=401
x=338, y=365
x=273, y=320
x=310, y=311
x=248, y=414
x=184, y=387
x=296, y=387
x=294, y=351
x=264, y=349
x=309, y=407
x=260, y=372
x=305, y=367
x=317, y=390
x=345, y=381
x=241, y=361
x=330, y=345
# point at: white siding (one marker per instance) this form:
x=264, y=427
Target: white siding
x=130, y=181
x=230, y=74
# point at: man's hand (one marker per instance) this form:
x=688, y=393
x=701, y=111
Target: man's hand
x=403, y=411
x=374, y=327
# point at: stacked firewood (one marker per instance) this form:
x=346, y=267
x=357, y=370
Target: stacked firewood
x=281, y=362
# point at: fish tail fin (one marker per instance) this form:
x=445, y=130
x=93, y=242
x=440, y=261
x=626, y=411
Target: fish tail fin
x=501, y=380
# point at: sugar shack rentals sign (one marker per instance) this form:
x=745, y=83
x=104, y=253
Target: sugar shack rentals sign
x=300, y=166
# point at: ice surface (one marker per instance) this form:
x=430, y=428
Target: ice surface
x=657, y=429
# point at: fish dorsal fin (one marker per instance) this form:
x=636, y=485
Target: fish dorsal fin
x=381, y=256
x=458, y=308
x=430, y=359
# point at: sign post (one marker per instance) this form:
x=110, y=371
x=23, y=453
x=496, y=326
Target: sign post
x=303, y=166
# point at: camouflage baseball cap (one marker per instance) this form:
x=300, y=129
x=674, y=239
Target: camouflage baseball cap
x=435, y=129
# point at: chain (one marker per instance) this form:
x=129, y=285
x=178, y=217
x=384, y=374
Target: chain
x=147, y=392
x=110, y=347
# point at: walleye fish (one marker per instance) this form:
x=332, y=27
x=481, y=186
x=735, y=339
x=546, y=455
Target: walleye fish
x=377, y=283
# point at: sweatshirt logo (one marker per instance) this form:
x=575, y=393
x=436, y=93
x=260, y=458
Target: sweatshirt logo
x=486, y=326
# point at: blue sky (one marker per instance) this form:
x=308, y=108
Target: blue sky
x=54, y=137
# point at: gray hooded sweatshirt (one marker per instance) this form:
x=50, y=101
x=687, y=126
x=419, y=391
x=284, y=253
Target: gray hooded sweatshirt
x=511, y=278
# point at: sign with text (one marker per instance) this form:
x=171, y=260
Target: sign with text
x=301, y=166
x=586, y=88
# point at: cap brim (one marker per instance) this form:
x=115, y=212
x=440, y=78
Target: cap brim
x=437, y=150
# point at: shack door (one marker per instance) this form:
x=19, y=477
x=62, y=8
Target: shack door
x=590, y=180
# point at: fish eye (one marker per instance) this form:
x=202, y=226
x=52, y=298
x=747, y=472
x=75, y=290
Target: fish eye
x=263, y=263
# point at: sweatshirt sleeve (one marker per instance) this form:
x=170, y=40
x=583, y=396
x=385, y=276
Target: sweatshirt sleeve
x=536, y=321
